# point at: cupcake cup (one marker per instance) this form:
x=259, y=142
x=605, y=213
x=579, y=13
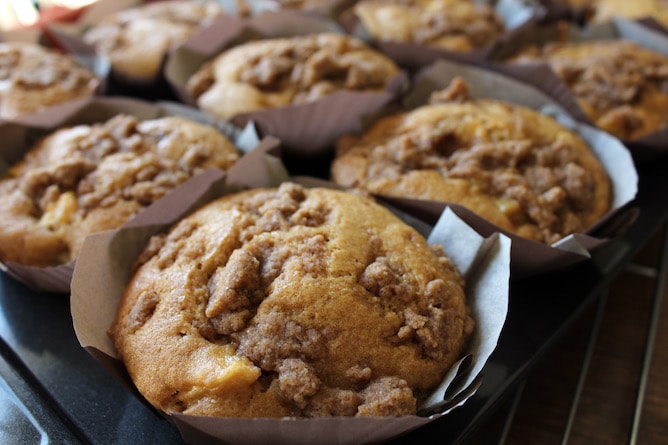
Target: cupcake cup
x=103, y=271
x=307, y=131
x=19, y=136
x=531, y=257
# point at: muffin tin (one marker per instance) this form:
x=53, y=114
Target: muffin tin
x=53, y=388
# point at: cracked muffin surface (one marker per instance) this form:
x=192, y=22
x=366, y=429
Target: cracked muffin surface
x=291, y=302
x=513, y=166
x=88, y=178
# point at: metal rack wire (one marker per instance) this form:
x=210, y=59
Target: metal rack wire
x=659, y=274
x=660, y=277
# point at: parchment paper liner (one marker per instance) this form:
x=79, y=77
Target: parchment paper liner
x=69, y=37
x=307, y=130
x=99, y=67
x=531, y=257
x=541, y=76
x=103, y=271
x=19, y=136
x=414, y=56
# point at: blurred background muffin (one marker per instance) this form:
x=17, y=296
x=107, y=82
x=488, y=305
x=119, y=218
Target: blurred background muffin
x=275, y=72
x=136, y=40
x=621, y=86
x=33, y=78
x=598, y=11
x=454, y=25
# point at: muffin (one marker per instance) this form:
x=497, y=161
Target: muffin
x=621, y=86
x=291, y=302
x=277, y=72
x=517, y=168
x=605, y=10
x=454, y=25
x=33, y=77
x=89, y=178
x=136, y=40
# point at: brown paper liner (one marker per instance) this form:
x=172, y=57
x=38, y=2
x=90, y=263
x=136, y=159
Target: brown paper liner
x=103, y=270
x=19, y=136
x=644, y=149
x=306, y=131
x=530, y=257
x=311, y=130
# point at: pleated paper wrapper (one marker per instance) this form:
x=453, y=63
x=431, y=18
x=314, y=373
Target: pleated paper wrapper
x=103, y=271
x=307, y=131
x=531, y=257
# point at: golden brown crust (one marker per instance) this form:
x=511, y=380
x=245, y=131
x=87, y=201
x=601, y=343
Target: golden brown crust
x=285, y=71
x=85, y=179
x=513, y=166
x=33, y=77
x=291, y=302
x=621, y=86
x=455, y=25
x=136, y=39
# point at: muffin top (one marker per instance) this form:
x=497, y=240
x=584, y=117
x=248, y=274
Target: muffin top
x=277, y=72
x=513, y=166
x=605, y=10
x=89, y=178
x=136, y=39
x=621, y=86
x=455, y=25
x=33, y=77
x=291, y=302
